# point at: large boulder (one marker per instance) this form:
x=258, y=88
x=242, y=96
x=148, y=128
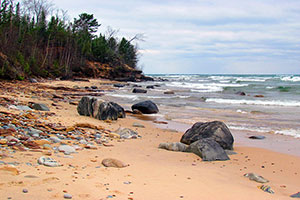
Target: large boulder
x=216, y=130
x=208, y=149
x=97, y=108
x=110, y=111
x=146, y=107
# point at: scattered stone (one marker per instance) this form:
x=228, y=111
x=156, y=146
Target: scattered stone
x=55, y=139
x=118, y=85
x=297, y=195
x=126, y=133
x=174, y=146
x=138, y=125
x=67, y=196
x=266, y=188
x=146, y=107
x=209, y=150
x=30, y=176
x=111, y=162
x=169, y=92
x=49, y=162
x=256, y=177
x=216, y=130
x=257, y=137
x=66, y=149
x=150, y=86
x=39, y=106
x=240, y=93
x=25, y=108
x=259, y=95
x=138, y=90
x=33, y=80
x=94, y=87
x=25, y=191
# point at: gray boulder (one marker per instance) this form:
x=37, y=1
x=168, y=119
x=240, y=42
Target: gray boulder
x=215, y=130
x=208, y=150
x=110, y=111
x=99, y=109
x=146, y=107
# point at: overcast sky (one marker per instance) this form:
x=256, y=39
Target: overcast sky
x=204, y=36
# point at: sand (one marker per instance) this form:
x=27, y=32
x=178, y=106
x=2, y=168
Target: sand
x=152, y=173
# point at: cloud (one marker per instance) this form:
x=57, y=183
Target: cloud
x=205, y=36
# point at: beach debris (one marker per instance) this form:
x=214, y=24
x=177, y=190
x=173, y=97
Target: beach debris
x=266, y=188
x=67, y=196
x=174, y=146
x=257, y=137
x=216, y=130
x=111, y=162
x=146, y=107
x=138, y=90
x=209, y=150
x=297, y=195
x=126, y=133
x=39, y=106
x=256, y=177
x=48, y=161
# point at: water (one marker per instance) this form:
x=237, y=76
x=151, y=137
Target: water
x=271, y=104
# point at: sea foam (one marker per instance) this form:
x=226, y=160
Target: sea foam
x=255, y=102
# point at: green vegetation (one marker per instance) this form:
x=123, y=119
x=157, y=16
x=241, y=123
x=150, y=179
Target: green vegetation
x=31, y=45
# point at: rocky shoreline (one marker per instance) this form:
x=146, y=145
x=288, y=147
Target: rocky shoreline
x=55, y=143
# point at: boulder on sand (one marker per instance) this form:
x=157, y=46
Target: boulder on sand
x=99, y=109
x=208, y=149
x=216, y=130
x=146, y=107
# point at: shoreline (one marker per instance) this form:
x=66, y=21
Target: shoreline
x=152, y=173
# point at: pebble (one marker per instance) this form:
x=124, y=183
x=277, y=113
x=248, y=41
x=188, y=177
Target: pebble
x=297, y=195
x=49, y=162
x=66, y=149
x=67, y=196
x=25, y=191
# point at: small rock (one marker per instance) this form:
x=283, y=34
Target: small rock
x=49, y=162
x=126, y=133
x=119, y=85
x=55, y=139
x=266, y=188
x=174, y=146
x=137, y=90
x=66, y=149
x=146, y=107
x=256, y=177
x=25, y=191
x=138, y=125
x=67, y=196
x=150, y=87
x=94, y=87
x=169, y=92
x=297, y=195
x=257, y=137
x=259, y=95
x=39, y=106
x=111, y=162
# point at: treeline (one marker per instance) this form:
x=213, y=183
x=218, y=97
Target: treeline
x=31, y=45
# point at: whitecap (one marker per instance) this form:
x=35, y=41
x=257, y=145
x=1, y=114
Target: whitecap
x=127, y=96
x=255, y=102
x=291, y=78
x=289, y=132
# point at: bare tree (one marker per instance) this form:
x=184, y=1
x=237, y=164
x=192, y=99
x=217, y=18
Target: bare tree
x=35, y=8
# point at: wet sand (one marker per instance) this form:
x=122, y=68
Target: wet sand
x=152, y=173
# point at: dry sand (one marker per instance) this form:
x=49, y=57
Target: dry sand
x=152, y=173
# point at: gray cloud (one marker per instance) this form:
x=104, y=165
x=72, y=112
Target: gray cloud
x=202, y=36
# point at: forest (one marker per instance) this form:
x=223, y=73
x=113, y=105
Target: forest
x=36, y=43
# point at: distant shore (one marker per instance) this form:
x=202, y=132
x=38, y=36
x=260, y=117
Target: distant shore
x=152, y=173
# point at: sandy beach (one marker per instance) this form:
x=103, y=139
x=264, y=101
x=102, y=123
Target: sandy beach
x=152, y=173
